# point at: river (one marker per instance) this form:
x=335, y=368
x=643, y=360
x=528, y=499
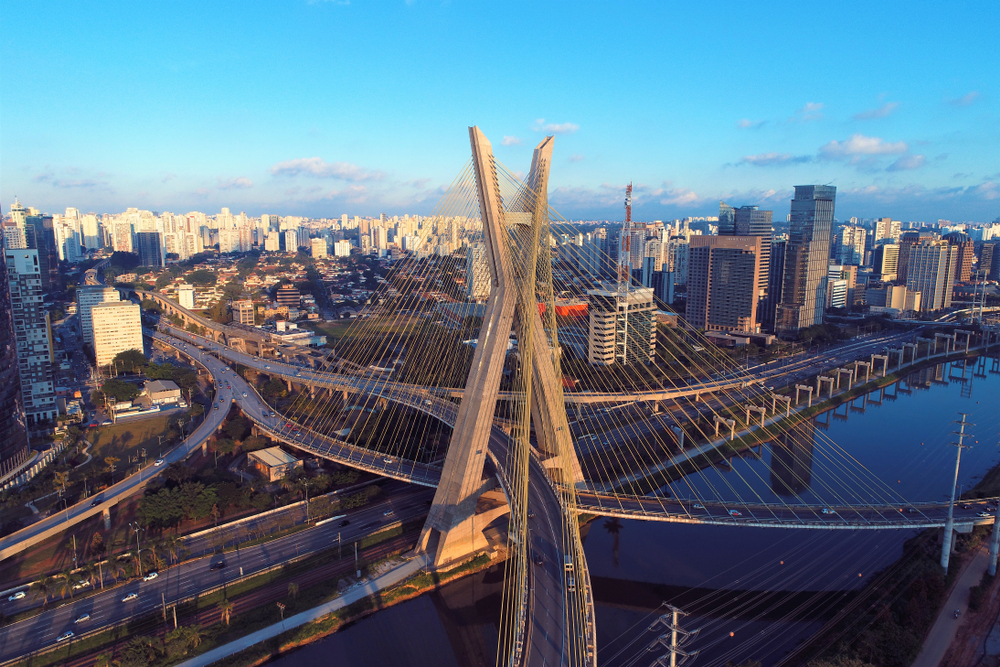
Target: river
x=735, y=582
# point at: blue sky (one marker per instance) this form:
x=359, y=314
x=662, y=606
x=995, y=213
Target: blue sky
x=321, y=108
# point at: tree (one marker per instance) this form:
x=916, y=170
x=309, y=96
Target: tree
x=132, y=359
x=97, y=543
x=118, y=390
x=202, y=277
x=43, y=586
x=64, y=584
x=226, y=611
x=138, y=652
x=104, y=660
x=61, y=477
x=293, y=590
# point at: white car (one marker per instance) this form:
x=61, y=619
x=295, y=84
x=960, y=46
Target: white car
x=158, y=462
x=130, y=597
x=698, y=506
x=244, y=394
x=387, y=460
x=16, y=596
x=66, y=635
x=150, y=576
x=85, y=617
x=427, y=401
x=80, y=584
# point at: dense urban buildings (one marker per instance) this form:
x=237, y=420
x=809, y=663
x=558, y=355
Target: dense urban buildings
x=931, y=272
x=32, y=334
x=806, y=259
x=13, y=428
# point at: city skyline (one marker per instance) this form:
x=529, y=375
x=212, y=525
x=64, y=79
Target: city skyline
x=357, y=112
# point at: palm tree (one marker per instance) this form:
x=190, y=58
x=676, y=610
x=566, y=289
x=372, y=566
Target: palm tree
x=65, y=583
x=226, y=611
x=194, y=636
x=293, y=590
x=104, y=660
x=43, y=585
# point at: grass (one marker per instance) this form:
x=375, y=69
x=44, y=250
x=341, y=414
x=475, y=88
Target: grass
x=128, y=438
x=337, y=329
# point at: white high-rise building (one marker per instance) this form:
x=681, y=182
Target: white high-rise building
x=32, y=335
x=477, y=273
x=86, y=298
x=185, y=296
x=318, y=248
x=117, y=328
x=342, y=248
x=91, y=232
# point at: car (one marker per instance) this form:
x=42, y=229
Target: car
x=215, y=407
x=218, y=566
x=427, y=401
x=16, y=596
x=266, y=367
x=130, y=597
x=225, y=369
x=95, y=502
x=911, y=510
x=151, y=576
x=85, y=617
x=828, y=511
x=531, y=515
x=345, y=522
x=244, y=394
x=387, y=460
x=985, y=515
x=158, y=462
x=734, y=513
x=388, y=513
x=966, y=506
x=66, y=635
x=957, y=612
x=698, y=506
x=80, y=584
x=538, y=560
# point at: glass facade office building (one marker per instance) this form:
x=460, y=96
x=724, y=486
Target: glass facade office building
x=807, y=254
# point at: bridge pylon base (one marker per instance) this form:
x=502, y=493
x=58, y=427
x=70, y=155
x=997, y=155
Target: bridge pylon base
x=453, y=534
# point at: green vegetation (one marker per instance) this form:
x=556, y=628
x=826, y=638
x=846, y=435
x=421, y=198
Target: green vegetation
x=202, y=278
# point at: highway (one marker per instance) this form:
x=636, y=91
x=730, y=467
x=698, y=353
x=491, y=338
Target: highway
x=192, y=577
x=547, y=616
x=26, y=537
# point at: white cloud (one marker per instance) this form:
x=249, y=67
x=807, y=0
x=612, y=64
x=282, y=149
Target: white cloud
x=511, y=141
x=774, y=159
x=860, y=145
x=675, y=196
x=239, y=183
x=878, y=112
x=314, y=166
x=576, y=158
x=747, y=124
x=968, y=99
x=811, y=111
x=907, y=162
x=555, y=128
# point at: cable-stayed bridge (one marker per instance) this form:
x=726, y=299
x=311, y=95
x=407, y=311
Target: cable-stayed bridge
x=389, y=407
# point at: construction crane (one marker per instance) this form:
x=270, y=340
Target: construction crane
x=624, y=276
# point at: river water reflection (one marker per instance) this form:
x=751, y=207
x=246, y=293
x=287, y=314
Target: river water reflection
x=894, y=443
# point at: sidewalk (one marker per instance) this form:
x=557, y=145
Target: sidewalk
x=946, y=625
x=390, y=578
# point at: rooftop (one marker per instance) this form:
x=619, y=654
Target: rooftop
x=273, y=456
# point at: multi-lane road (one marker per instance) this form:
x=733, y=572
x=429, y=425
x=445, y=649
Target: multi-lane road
x=108, y=607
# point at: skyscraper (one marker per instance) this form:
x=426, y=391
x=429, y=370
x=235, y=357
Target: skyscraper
x=723, y=278
x=88, y=296
x=39, y=232
x=806, y=258
x=775, y=283
x=751, y=221
x=13, y=433
x=931, y=271
x=32, y=335
x=150, y=249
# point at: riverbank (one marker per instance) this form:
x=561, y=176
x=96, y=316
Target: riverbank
x=726, y=449
x=316, y=628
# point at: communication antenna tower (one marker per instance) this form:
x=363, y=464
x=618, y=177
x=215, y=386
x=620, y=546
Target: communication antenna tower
x=624, y=276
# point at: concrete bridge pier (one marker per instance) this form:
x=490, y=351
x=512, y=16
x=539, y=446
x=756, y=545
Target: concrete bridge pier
x=850, y=377
x=868, y=370
x=968, y=338
x=924, y=340
x=913, y=350
x=289, y=384
x=802, y=387
x=731, y=423
x=757, y=409
x=820, y=379
x=884, y=358
x=786, y=399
